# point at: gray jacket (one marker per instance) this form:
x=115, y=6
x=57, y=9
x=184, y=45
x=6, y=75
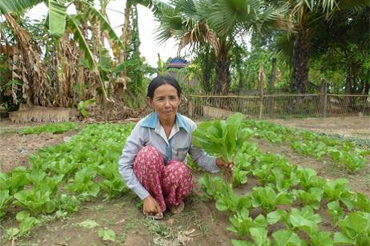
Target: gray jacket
x=149, y=132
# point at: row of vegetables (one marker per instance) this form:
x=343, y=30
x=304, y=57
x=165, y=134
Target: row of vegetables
x=288, y=196
x=341, y=152
x=61, y=177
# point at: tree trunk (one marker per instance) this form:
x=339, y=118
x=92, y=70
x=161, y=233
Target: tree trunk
x=300, y=62
x=223, y=78
x=207, y=72
x=126, y=32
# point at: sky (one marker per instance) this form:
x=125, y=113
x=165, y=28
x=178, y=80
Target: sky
x=149, y=47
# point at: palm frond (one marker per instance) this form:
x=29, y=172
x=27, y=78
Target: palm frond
x=171, y=26
x=158, y=7
x=225, y=14
x=199, y=35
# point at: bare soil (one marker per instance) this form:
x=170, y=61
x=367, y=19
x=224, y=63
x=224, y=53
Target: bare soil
x=199, y=224
x=351, y=126
x=15, y=148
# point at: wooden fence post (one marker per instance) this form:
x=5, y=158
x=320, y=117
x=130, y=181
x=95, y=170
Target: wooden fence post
x=324, y=98
x=190, y=107
x=261, y=80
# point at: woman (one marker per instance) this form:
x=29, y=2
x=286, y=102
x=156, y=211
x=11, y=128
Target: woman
x=152, y=161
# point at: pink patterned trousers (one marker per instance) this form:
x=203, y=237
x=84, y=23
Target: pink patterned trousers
x=168, y=184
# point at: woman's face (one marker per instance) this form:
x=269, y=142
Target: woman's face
x=165, y=102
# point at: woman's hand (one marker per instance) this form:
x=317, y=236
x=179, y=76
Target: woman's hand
x=151, y=206
x=222, y=164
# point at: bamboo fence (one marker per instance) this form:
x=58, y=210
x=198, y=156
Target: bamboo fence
x=278, y=105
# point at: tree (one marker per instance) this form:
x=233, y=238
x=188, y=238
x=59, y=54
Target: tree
x=345, y=39
x=59, y=23
x=218, y=23
x=305, y=15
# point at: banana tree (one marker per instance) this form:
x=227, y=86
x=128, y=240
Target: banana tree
x=58, y=21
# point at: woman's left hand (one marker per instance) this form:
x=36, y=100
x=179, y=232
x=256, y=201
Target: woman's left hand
x=222, y=164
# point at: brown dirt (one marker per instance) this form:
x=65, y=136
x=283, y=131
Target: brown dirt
x=15, y=149
x=357, y=127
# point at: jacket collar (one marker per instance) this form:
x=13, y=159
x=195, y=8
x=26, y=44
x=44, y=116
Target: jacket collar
x=151, y=121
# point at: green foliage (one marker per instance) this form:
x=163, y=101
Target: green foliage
x=222, y=138
x=84, y=185
x=267, y=199
x=84, y=105
x=72, y=167
x=355, y=230
x=5, y=199
x=286, y=238
x=241, y=223
x=35, y=200
x=107, y=234
x=311, y=197
x=55, y=128
x=280, y=183
x=342, y=152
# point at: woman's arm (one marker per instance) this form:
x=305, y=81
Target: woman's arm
x=125, y=164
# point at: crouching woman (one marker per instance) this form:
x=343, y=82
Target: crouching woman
x=152, y=161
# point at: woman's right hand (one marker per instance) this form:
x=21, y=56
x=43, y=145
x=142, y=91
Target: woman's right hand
x=151, y=206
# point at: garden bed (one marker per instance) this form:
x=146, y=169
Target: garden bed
x=199, y=224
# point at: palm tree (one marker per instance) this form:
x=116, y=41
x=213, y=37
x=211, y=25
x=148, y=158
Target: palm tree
x=217, y=22
x=305, y=14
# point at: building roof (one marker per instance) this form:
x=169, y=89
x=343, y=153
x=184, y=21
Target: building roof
x=177, y=62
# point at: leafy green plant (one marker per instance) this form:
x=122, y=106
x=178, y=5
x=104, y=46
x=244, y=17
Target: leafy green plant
x=333, y=189
x=308, y=178
x=321, y=238
x=259, y=237
x=363, y=203
x=35, y=200
x=228, y=200
x=107, y=234
x=26, y=224
x=210, y=186
x=67, y=203
x=352, y=160
x=84, y=185
x=267, y=199
x=83, y=107
x=241, y=222
x=54, y=128
x=355, y=230
x=222, y=138
x=5, y=199
x=17, y=180
x=286, y=238
x=311, y=197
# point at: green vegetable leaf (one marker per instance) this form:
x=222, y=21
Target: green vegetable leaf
x=89, y=224
x=107, y=234
x=286, y=238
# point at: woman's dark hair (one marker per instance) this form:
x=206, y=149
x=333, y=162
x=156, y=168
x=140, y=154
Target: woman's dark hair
x=162, y=80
